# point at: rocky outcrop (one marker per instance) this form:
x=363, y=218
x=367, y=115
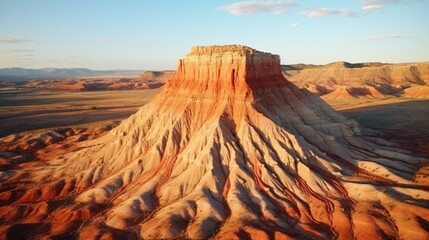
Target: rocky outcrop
x=228, y=150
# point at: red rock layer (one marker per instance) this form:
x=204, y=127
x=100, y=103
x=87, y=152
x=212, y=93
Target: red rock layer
x=218, y=77
x=232, y=68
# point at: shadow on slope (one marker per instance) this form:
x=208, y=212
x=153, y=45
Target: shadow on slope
x=406, y=123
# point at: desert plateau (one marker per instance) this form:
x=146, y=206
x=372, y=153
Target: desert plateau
x=214, y=120
x=227, y=148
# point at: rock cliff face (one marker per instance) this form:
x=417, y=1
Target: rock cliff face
x=228, y=150
x=220, y=77
x=236, y=67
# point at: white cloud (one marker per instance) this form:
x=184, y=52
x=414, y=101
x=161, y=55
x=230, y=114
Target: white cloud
x=254, y=7
x=369, y=5
x=13, y=39
x=294, y=25
x=385, y=37
x=323, y=12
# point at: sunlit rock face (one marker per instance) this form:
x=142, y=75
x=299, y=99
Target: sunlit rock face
x=228, y=150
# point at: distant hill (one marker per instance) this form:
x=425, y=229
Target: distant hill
x=159, y=76
x=343, y=80
x=19, y=74
x=302, y=66
x=344, y=73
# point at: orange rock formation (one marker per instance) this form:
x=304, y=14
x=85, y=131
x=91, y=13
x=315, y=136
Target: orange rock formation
x=228, y=150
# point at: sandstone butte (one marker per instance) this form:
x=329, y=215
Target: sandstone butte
x=228, y=150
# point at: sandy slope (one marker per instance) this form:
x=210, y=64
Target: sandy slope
x=347, y=92
x=417, y=92
x=228, y=150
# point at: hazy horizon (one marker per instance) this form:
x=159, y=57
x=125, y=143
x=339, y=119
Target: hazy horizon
x=175, y=68
x=153, y=35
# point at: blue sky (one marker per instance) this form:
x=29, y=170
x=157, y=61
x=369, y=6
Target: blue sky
x=154, y=34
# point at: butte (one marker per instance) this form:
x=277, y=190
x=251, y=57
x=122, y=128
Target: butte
x=228, y=150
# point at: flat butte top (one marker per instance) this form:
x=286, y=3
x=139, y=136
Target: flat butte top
x=226, y=49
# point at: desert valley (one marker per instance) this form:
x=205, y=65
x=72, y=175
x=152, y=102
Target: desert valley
x=228, y=119
x=231, y=145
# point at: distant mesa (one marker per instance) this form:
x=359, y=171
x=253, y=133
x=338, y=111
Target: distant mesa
x=343, y=80
x=229, y=149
